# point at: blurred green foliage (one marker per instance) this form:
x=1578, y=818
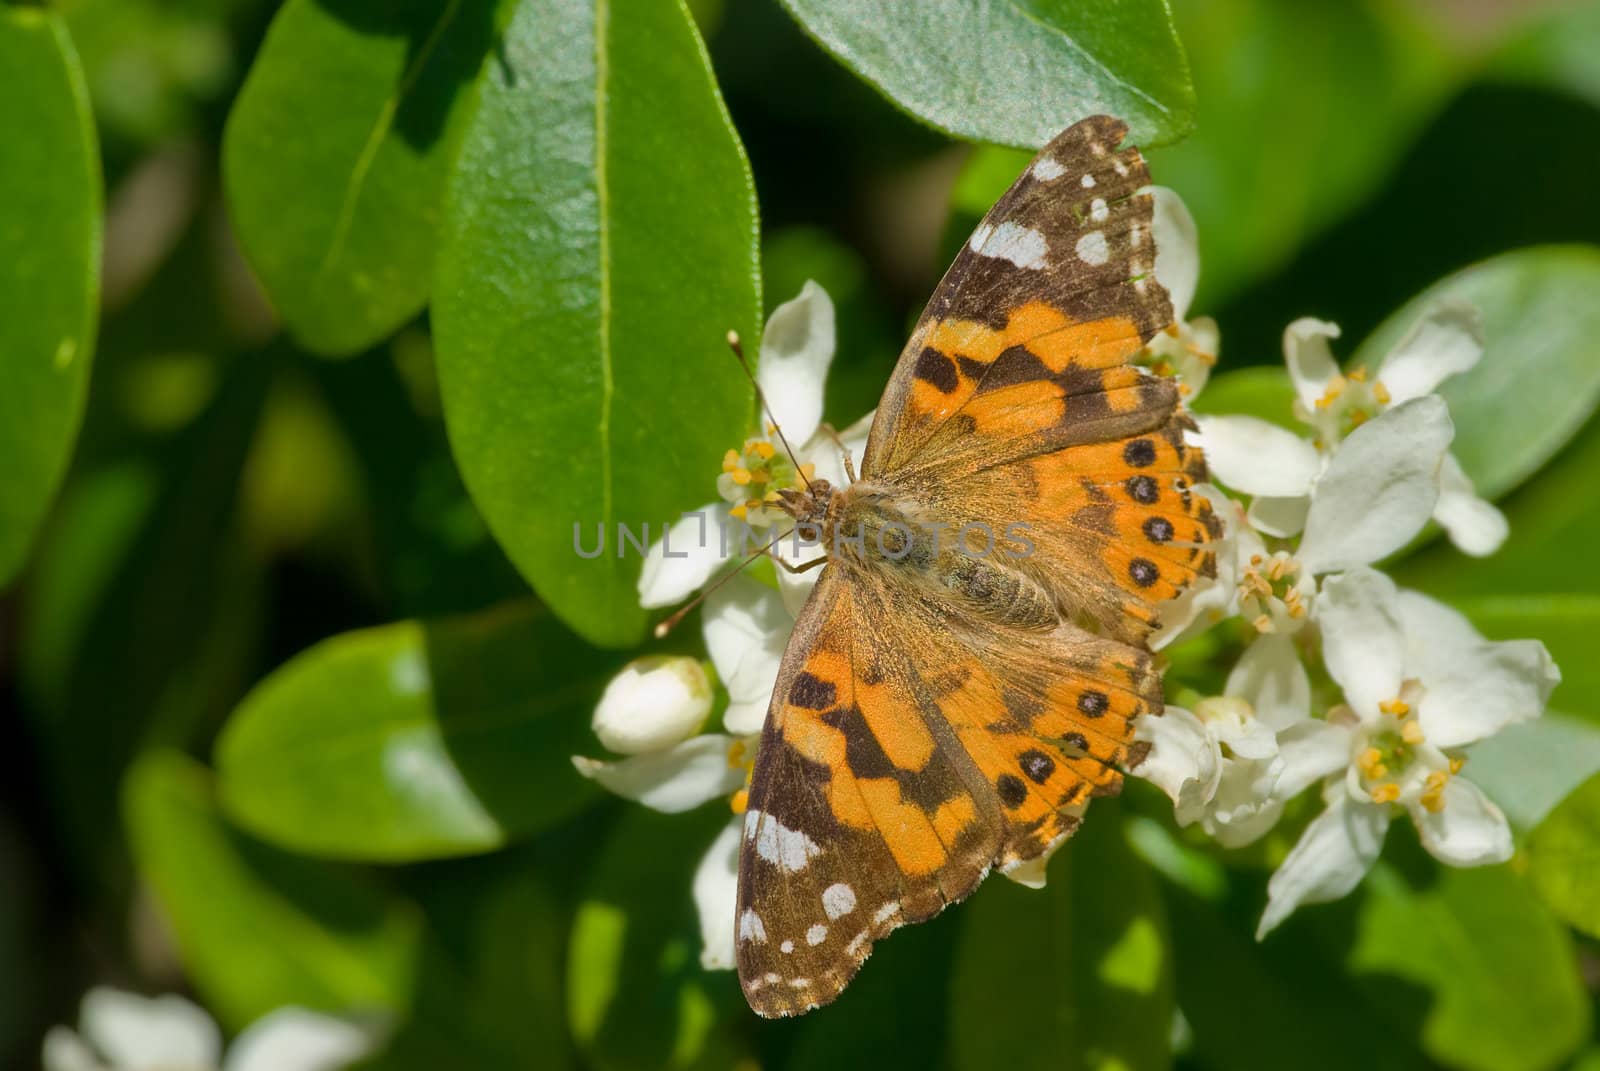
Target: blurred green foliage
x=296, y=650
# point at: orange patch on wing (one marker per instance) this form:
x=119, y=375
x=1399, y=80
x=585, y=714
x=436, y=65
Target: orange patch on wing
x=895, y=724
x=911, y=838
x=812, y=738
x=966, y=338
x=1097, y=344
x=953, y=816
x=1017, y=410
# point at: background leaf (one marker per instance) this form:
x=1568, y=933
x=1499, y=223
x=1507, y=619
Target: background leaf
x=49, y=269
x=312, y=935
x=1564, y=856
x=1502, y=972
x=1063, y=61
x=337, y=207
x=416, y=740
x=1539, y=379
x=591, y=268
x=1077, y=974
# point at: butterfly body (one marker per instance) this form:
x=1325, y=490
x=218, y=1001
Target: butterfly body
x=964, y=677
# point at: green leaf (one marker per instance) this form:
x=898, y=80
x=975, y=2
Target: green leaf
x=600, y=241
x=336, y=154
x=1564, y=857
x=1556, y=50
x=636, y=994
x=1304, y=108
x=1539, y=379
x=1083, y=962
x=416, y=740
x=49, y=269
x=1019, y=71
x=259, y=929
x=1501, y=971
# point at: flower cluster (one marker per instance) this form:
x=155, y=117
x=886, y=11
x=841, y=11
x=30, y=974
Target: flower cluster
x=1306, y=516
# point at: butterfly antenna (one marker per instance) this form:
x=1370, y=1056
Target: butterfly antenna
x=738, y=351
x=683, y=611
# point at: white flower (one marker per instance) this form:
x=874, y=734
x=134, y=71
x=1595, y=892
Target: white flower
x=120, y=1031
x=1381, y=416
x=1419, y=682
x=654, y=703
x=796, y=351
x=1188, y=349
x=1221, y=762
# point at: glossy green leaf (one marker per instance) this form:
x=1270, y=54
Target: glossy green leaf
x=336, y=155
x=1015, y=73
x=1557, y=50
x=416, y=740
x=1084, y=963
x=259, y=929
x=600, y=242
x=49, y=269
x=1539, y=380
x=637, y=997
x=1304, y=108
x=1501, y=971
x=1564, y=857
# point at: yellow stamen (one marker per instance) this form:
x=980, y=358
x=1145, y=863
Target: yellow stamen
x=1386, y=793
x=741, y=476
x=1380, y=392
x=736, y=753
x=1437, y=780
x=1359, y=375
x=1297, y=611
x=1263, y=623
x=1256, y=559
x=1331, y=394
x=738, y=511
x=1398, y=707
x=730, y=461
x=1411, y=732
x=1457, y=763
x=740, y=800
x=1432, y=802
x=1359, y=417
x=760, y=476
x=1371, y=763
x=771, y=496
x=765, y=450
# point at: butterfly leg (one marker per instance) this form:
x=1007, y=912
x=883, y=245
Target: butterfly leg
x=805, y=568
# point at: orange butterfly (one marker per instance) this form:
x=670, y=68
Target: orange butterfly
x=967, y=670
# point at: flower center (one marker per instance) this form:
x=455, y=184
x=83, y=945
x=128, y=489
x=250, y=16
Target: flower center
x=1271, y=595
x=752, y=477
x=1347, y=403
x=1393, y=747
x=1178, y=353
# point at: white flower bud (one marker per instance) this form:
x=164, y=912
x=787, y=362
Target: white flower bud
x=654, y=703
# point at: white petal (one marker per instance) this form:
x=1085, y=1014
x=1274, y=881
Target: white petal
x=1257, y=458
x=139, y=1033
x=66, y=1051
x=671, y=781
x=746, y=630
x=823, y=452
x=1271, y=679
x=796, y=350
x=1468, y=829
x=1447, y=340
x=1183, y=761
x=1311, y=363
x=1310, y=751
x=294, y=1039
x=1177, y=249
x=1379, y=489
x=1363, y=642
x=680, y=563
x=1246, y=829
x=1471, y=688
x=716, y=898
x=1333, y=854
x=796, y=587
x=1281, y=517
x=1474, y=525
x=655, y=702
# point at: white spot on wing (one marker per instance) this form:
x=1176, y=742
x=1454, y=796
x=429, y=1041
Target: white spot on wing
x=788, y=849
x=751, y=928
x=817, y=934
x=886, y=912
x=857, y=941
x=1088, y=182
x=1023, y=246
x=838, y=899
x=1098, y=211
x=786, y=947
x=799, y=983
x=1120, y=168
x=980, y=235
x=1046, y=168
x=1092, y=248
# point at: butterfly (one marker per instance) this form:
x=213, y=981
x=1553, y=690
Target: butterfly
x=965, y=675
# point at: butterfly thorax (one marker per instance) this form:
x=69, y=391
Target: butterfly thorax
x=874, y=526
